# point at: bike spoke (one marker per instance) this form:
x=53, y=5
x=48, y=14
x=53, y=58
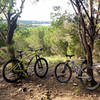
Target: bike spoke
x=41, y=67
x=62, y=72
x=88, y=81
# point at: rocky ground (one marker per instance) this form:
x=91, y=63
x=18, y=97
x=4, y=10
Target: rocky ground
x=48, y=88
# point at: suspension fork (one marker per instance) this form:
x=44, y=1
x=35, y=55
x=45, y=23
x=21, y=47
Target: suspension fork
x=65, y=66
x=37, y=57
x=67, y=62
x=39, y=64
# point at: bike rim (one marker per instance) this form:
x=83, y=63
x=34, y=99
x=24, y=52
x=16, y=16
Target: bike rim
x=86, y=80
x=10, y=72
x=41, y=67
x=62, y=73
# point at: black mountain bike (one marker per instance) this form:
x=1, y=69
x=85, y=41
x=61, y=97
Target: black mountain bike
x=14, y=69
x=63, y=73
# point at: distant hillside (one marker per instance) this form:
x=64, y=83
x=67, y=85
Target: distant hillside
x=30, y=22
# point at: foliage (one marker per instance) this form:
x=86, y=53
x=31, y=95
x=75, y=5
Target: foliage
x=58, y=39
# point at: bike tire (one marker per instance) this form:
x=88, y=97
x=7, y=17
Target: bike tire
x=87, y=82
x=39, y=64
x=18, y=75
x=69, y=71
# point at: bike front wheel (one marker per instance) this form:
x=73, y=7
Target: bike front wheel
x=89, y=82
x=10, y=73
x=41, y=67
x=63, y=72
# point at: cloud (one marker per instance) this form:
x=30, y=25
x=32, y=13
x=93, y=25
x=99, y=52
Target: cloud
x=41, y=10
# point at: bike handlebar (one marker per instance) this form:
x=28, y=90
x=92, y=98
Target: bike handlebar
x=69, y=56
x=32, y=49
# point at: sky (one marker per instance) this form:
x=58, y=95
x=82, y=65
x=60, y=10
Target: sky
x=41, y=10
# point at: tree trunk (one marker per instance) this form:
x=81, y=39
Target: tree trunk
x=12, y=24
x=10, y=44
x=90, y=64
x=11, y=51
x=88, y=31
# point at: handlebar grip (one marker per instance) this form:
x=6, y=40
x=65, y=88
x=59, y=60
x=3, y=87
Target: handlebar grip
x=41, y=49
x=30, y=49
x=69, y=55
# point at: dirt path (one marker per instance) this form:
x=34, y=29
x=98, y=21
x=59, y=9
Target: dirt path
x=48, y=88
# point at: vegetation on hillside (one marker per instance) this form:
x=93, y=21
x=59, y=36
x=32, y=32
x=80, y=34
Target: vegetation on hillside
x=60, y=38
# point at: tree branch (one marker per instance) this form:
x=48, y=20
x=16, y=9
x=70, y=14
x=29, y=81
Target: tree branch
x=2, y=36
x=12, y=22
x=98, y=12
x=98, y=30
x=81, y=17
x=84, y=9
x=80, y=35
x=78, y=2
x=5, y=15
x=73, y=3
x=18, y=14
x=21, y=7
x=2, y=9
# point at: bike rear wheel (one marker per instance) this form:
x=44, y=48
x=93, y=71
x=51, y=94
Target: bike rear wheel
x=63, y=72
x=9, y=70
x=41, y=67
x=87, y=81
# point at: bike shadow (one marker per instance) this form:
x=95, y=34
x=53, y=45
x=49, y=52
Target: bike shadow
x=55, y=88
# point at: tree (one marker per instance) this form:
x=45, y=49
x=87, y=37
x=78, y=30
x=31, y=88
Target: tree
x=88, y=16
x=11, y=14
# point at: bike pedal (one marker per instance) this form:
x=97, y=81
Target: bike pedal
x=24, y=75
x=78, y=77
x=75, y=84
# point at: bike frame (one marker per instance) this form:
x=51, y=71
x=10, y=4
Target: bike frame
x=76, y=68
x=74, y=65
x=22, y=60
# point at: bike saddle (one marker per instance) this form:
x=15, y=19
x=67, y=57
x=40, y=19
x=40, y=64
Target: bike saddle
x=40, y=49
x=19, y=51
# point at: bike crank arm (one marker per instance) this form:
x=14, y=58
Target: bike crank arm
x=85, y=77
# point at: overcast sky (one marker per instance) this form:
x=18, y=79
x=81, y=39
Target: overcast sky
x=42, y=9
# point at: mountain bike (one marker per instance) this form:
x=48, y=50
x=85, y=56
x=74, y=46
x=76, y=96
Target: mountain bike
x=63, y=73
x=16, y=68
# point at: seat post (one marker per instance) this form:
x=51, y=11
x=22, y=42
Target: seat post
x=20, y=55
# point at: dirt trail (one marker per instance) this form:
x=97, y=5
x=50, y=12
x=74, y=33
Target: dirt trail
x=34, y=88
